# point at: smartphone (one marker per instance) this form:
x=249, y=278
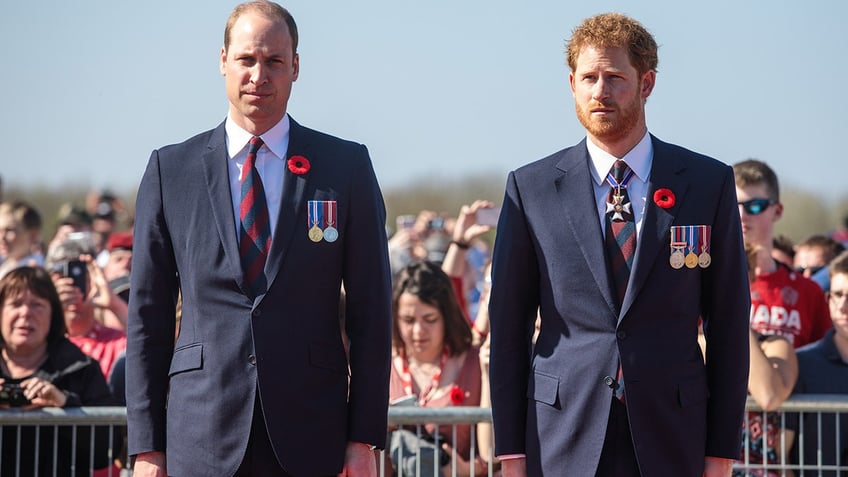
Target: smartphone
x=488, y=216
x=77, y=270
x=436, y=223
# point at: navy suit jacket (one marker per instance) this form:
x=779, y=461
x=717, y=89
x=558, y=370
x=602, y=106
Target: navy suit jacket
x=552, y=401
x=194, y=397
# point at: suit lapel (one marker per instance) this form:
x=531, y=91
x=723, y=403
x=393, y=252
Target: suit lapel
x=218, y=187
x=666, y=173
x=291, y=203
x=576, y=194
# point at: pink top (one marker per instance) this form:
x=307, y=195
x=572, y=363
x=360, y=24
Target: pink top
x=464, y=390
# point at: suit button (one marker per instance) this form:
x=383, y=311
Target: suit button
x=257, y=312
x=252, y=360
x=621, y=334
x=609, y=381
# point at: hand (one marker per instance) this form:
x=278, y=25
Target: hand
x=100, y=295
x=359, y=461
x=467, y=228
x=514, y=467
x=463, y=467
x=42, y=393
x=717, y=467
x=150, y=464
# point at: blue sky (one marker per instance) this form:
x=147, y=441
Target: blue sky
x=437, y=89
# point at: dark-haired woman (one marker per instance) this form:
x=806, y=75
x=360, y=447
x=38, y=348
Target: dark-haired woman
x=434, y=363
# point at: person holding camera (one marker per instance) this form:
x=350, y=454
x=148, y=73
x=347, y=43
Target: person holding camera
x=84, y=291
x=40, y=367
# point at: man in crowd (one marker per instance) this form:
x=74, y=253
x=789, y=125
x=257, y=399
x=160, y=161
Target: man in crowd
x=256, y=224
x=823, y=369
x=783, y=302
x=611, y=240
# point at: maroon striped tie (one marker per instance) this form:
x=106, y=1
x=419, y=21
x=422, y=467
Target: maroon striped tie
x=255, y=225
x=620, y=240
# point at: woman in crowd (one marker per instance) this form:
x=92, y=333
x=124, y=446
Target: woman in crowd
x=434, y=363
x=41, y=368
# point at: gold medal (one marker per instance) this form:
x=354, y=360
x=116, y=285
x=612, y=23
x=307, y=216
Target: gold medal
x=691, y=260
x=704, y=260
x=315, y=234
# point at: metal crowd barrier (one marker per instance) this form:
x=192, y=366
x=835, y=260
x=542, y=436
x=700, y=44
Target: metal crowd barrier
x=46, y=421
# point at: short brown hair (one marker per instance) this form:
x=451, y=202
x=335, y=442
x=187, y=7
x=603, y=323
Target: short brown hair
x=752, y=172
x=831, y=247
x=37, y=281
x=270, y=10
x=614, y=30
x=838, y=265
x=431, y=285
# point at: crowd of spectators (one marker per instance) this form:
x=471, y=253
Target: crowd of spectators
x=440, y=264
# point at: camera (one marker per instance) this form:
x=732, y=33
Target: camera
x=436, y=223
x=13, y=395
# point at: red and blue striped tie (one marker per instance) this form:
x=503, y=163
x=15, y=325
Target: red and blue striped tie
x=620, y=240
x=255, y=227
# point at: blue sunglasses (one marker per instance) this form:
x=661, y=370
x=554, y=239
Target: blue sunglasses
x=757, y=206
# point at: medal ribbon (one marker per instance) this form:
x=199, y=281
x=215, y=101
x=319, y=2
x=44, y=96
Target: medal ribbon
x=691, y=238
x=330, y=212
x=624, y=181
x=315, y=213
x=406, y=377
x=705, y=238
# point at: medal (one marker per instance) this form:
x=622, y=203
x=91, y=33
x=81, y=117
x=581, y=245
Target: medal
x=704, y=260
x=330, y=233
x=618, y=206
x=691, y=240
x=315, y=234
x=691, y=260
x=677, y=258
x=315, y=220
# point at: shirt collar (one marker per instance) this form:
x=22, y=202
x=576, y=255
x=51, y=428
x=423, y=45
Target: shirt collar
x=276, y=139
x=638, y=159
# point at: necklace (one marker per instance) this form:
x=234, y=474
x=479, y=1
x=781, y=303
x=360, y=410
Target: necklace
x=406, y=378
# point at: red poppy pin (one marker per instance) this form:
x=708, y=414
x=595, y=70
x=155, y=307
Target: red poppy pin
x=457, y=395
x=664, y=198
x=299, y=165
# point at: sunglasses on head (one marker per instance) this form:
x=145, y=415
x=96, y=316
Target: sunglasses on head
x=757, y=206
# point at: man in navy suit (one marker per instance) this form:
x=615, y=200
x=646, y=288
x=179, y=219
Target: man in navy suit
x=257, y=380
x=621, y=244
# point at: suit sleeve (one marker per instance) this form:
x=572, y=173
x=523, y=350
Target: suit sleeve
x=726, y=308
x=151, y=320
x=367, y=282
x=513, y=307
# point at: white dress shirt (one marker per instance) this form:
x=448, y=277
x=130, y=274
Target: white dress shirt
x=270, y=163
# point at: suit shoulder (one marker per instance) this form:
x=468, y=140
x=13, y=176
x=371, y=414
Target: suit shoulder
x=691, y=157
x=327, y=140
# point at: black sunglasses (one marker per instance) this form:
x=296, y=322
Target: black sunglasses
x=757, y=206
